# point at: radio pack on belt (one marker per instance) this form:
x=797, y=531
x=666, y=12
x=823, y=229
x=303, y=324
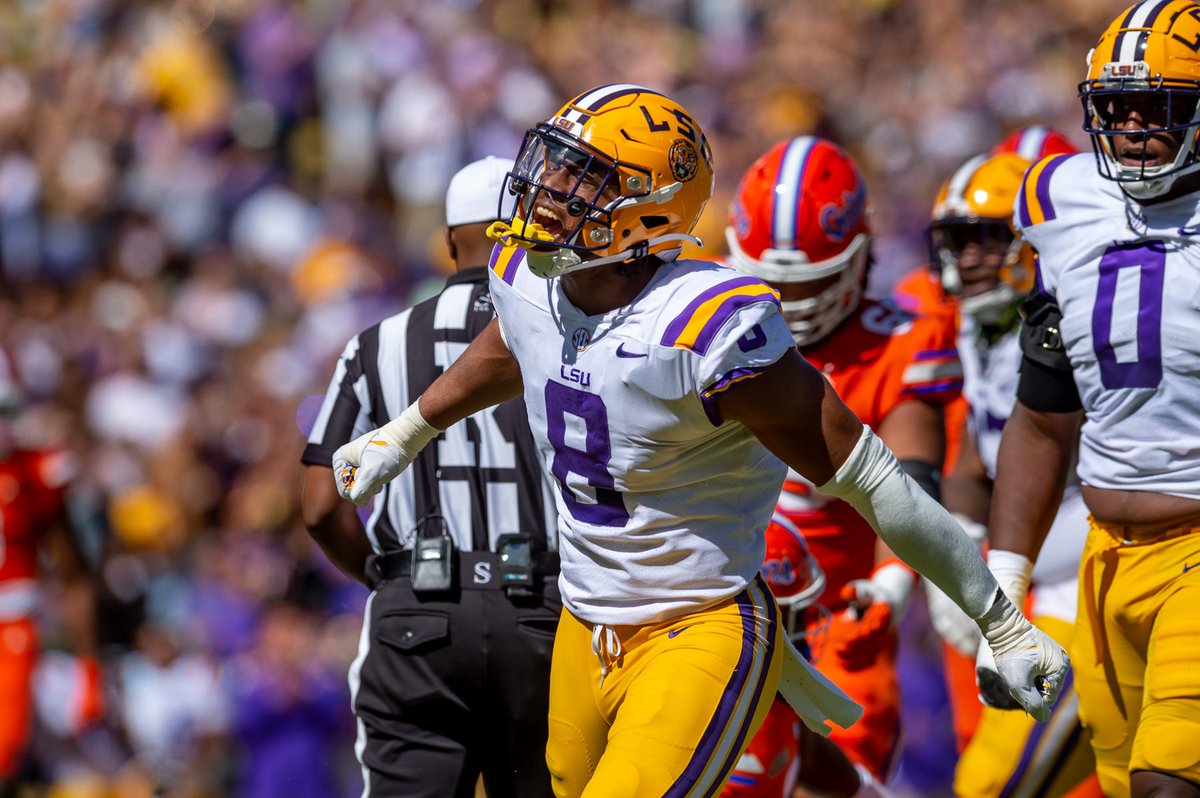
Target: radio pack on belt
x=516, y=564
x=433, y=557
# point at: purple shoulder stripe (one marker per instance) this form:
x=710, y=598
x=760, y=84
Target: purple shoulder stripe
x=1022, y=204
x=680, y=322
x=1043, y=185
x=722, y=314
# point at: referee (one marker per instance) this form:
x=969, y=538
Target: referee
x=452, y=675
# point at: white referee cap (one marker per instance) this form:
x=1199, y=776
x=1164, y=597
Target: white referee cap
x=474, y=193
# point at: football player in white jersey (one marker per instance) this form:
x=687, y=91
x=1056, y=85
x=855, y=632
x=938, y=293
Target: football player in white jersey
x=981, y=262
x=1110, y=343
x=666, y=397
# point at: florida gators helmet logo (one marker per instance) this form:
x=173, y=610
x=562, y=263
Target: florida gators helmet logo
x=837, y=220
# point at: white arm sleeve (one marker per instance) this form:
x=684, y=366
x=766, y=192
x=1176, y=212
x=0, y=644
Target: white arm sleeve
x=917, y=528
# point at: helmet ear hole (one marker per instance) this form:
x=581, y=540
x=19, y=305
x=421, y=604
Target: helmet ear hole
x=650, y=222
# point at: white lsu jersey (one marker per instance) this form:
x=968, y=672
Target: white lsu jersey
x=990, y=374
x=662, y=507
x=1127, y=278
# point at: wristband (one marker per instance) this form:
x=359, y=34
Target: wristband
x=1012, y=571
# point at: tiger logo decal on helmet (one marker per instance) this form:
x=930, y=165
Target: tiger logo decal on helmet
x=684, y=163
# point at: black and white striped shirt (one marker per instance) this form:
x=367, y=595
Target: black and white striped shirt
x=482, y=474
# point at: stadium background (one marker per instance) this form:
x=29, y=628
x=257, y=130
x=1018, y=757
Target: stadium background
x=200, y=201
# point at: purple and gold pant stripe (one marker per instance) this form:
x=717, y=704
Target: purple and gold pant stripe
x=1048, y=747
x=728, y=732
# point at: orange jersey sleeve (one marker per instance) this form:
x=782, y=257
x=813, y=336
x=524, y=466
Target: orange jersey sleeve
x=884, y=355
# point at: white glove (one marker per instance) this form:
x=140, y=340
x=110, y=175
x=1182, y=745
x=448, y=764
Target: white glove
x=362, y=466
x=953, y=625
x=1012, y=571
x=891, y=583
x=1028, y=663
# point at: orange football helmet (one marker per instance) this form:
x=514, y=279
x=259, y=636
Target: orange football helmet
x=1145, y=60
x=1035, y=142
x=975, y=206
x=800, y=215
x=619, y=173
x=794, y=575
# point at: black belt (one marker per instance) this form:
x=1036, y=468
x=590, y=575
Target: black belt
x=477, y=570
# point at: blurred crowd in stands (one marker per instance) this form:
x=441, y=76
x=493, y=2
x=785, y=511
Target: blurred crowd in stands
x=202, y=200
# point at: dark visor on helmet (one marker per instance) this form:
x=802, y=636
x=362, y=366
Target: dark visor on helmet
x=952, y=236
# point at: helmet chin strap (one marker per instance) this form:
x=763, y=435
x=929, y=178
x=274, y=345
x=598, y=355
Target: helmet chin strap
x=987, y=307
x=547, y=262
x=1154, y=185
x=951, y=281
x=565, y=261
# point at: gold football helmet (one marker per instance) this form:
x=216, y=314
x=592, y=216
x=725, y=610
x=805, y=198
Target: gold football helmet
x=1146, y=62
x=972, y=221
x=619, y=173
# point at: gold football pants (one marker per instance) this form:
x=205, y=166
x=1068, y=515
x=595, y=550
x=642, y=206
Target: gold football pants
x=662, y=709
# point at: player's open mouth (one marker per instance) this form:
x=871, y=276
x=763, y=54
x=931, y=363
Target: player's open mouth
x=1139, y=156
x=550, y=221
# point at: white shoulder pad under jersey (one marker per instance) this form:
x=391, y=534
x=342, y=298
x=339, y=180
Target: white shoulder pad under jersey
x=661, y=505
x=1127, y=279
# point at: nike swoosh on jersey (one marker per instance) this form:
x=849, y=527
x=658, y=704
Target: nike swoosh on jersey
x=677, y=632
x=623, y=352
x=1187, y=567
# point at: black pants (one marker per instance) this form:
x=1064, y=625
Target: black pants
x=447, y=689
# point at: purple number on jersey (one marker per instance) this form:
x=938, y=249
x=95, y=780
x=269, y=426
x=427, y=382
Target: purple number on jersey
x=591, y=462
x=1149, y=257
